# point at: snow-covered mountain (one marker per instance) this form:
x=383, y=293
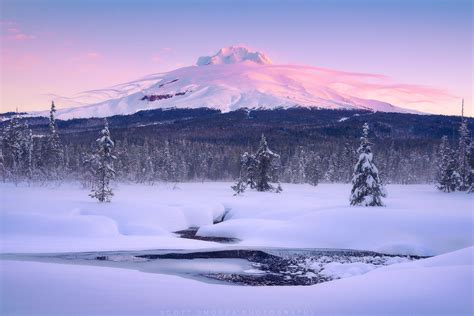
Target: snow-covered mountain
x=233, y=55
x=237, y=77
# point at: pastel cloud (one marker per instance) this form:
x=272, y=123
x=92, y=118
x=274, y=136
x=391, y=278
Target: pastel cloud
x=13, y=33
x=163, y=54
x=93, y=55
x=156, y=58
x=379, y=87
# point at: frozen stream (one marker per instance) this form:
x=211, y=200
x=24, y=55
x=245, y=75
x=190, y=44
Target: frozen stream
x=231, y=265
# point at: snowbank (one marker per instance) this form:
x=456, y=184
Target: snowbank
x=417, y=220
x=436, y=286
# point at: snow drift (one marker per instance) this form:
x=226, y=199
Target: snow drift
x=435, y=286
x=418, y=220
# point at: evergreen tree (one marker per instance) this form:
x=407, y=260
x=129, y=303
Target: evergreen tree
x=463, y=169
x=267, y=167
x=246, y=178
x=471, y=168
x=3, y=170
x=241, y=184
x=26, y=144
x=167, y=165
x=104, y=171
x=17, y=147
x=259, y=170
x=89, y=164
x=367, y=189
x=12, y=148
x=146, y=172
x=448, y=177
x=330, y=175
x=39, y=153
x=55, y=153
x=312, y=169
x=301, y=167
x=122, y=152
x=295, y=171
x=347, y=164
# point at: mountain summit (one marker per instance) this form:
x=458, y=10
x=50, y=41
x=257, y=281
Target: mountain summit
x=237, y=77
x=233, y=55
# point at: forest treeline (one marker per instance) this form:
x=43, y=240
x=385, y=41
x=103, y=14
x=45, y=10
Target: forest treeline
x=191, y=153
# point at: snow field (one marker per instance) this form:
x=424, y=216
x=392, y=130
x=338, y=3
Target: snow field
x=436, y=286
x=418, y=219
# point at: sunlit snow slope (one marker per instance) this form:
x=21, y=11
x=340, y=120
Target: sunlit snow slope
x=237, y=77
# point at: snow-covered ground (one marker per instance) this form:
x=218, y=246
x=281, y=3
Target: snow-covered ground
x=437, y=286
x=417, y=220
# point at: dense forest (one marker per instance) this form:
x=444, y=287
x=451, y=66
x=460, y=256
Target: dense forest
x=315, y=145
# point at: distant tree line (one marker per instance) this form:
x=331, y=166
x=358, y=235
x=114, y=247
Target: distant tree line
x=148, y=158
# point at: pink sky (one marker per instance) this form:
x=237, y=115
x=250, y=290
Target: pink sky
x=72, y=47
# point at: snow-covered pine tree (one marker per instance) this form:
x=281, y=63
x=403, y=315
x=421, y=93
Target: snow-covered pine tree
x=367, y=189
x=267, y=168
x=448, y=177
x=39, y=153
x=3, y=170
x=302, y=162
x=55, y=153
x=295, y=171
x=329, y=176
x=12, y=148
x=348, y=162
x=241, y=184
x=17, y=147
x=259, y=170
x=463, y=167
x=27, y=153
x=122, y=166
x=104, y=170
x=312, y=169
x=181, y=164
x=247, y=173
x=166, y=164
x=89, y=164
x=146, y=171
x=471, y=168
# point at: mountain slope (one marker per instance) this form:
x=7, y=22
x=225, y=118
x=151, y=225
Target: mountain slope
x=238, y=78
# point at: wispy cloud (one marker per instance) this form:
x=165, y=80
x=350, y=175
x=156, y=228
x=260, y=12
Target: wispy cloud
x=156, y=58
x=93, y=55
x=12, y=32
x=85, y=57
x=161, y=55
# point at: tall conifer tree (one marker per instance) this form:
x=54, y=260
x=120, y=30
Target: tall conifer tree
x=448, y=177
x=367, y=189
x=463, y=169
x=55, y=153
x=104, y=171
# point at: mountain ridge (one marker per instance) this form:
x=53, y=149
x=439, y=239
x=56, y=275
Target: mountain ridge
x=237, y=77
